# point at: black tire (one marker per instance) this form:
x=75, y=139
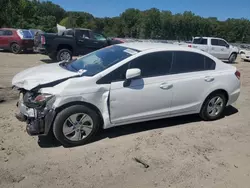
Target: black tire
x=60, y=52
x=65, y=114
x=204, y=112
x=15, y=48
x=232, y=58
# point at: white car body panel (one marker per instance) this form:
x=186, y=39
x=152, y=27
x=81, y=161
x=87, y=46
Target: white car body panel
x=163, y=96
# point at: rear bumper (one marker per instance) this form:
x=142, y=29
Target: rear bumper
x=38, y=121
x=233, y=97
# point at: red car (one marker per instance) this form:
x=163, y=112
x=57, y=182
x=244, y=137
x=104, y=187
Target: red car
x=16, y=40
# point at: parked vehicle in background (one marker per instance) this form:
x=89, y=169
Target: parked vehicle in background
x=72, y=42
x=217, y=47
x=122, y=84
x=245, y=54
x=16, y=40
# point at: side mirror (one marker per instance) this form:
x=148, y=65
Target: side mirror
x=133, y=73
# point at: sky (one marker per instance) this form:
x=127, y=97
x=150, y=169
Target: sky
x=222, y=9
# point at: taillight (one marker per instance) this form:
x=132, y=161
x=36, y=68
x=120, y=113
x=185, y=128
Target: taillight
x=43, y=40
x=190, y=46
x=237, y=74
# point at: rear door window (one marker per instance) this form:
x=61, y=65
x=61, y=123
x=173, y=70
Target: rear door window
x=1, y=33
x=8, y=33
x=200, y=41
x=185, y=62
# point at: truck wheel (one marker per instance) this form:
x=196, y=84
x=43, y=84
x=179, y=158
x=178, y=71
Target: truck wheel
x=232, y=58
x=15, y=48
x=76, y=125
x=64, y=55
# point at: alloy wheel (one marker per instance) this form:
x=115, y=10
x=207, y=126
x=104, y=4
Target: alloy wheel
x=77, y=126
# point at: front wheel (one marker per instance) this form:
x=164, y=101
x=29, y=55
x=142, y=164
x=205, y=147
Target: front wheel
x=232, y=58
x=64, y=55
x=213, y=107
x=76, y=125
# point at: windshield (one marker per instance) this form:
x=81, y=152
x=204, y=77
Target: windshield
x=100, y=60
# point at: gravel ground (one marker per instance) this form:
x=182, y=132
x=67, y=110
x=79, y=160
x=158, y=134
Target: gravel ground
x=181, y=152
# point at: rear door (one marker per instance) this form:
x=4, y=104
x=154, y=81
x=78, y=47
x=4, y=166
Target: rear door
x=146, y=97
x=200, y=43
x=192, y=76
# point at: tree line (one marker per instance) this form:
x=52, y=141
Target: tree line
x=148, y=24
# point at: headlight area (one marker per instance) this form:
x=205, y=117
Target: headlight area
x=36, y=100
x=41, y=104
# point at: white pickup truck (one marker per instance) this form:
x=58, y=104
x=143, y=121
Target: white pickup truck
x=215, y=46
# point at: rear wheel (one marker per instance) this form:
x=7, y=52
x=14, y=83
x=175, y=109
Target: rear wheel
x=213, y=106
x=64, y=55
x=15, y=48
x=76, y=125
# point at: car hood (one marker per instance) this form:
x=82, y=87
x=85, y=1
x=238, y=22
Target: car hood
x=41, y=75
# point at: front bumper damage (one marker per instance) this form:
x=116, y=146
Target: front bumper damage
x=38, y=120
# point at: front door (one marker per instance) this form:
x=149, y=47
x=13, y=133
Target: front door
x=143, y=99
x=148, y=97
x=219, y=49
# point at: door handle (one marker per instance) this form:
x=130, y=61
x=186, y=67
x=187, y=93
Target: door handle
x=209, y=79
x=166, y=86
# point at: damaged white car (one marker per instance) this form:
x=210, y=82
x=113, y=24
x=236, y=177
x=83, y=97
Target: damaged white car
x=122, y=84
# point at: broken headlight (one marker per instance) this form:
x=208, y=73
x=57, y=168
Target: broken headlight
x=36, y=100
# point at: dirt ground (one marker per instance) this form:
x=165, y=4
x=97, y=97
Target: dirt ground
x=181, y=152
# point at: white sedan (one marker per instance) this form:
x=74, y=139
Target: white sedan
x=245, y=54
x=123, y=84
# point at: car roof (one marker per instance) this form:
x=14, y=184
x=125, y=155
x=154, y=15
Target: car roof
x=12, y=29
x=143, y=46
x=208, y=38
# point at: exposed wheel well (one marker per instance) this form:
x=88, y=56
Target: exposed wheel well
x=64, y=46
x=13, y=43
x=233, y=53
x=224, y=92
x=91, y=106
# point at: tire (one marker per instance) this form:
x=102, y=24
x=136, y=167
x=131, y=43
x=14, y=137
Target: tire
x=63, y=126
x=64, y=55
x=232, y=58
x=205, y=112
x=15, y=48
